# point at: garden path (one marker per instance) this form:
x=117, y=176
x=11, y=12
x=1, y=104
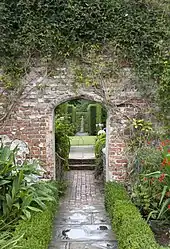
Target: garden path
x=82, y=222
x=82, y=152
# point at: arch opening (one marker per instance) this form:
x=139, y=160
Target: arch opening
x=78, y=124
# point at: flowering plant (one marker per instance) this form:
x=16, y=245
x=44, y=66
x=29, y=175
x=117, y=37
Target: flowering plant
x=163, y=179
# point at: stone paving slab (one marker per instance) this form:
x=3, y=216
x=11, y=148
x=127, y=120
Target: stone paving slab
x=74, y=218
x=86, y=245
x=82, y=152
x=82, y=222
x=82, y=232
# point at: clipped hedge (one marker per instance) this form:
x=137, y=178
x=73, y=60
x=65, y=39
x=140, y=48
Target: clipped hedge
x=131, y=229
x=38, y=230
x=71, y=111
x=92, y=118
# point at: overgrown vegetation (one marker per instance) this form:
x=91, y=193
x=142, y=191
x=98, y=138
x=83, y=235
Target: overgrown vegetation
x=149, y=169
x=38, y=230
x=135, y=32
x=99, y=145
x=131, y=229
x=24, y=200
x=18, y=197
x=63, y=129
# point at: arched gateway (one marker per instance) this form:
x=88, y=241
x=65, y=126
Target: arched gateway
x=31, y=118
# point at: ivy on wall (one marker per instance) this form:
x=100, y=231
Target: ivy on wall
x=137, y=31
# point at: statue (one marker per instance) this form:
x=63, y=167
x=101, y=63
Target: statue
x=82, y=125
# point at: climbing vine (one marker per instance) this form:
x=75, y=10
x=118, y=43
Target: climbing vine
x=137, y=33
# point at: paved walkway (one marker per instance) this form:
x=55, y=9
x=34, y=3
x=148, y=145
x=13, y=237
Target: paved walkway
x=81, y=222
x=82, y=152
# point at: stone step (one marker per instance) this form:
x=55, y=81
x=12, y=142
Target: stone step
x=111, y=244
x=82, y=166
x=81, y=161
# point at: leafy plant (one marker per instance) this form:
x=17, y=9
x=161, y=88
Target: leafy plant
x=99, y=145
x=131, y=229
x=17, y=197
x=38, y=230
x=63, y=129
x=163, y=177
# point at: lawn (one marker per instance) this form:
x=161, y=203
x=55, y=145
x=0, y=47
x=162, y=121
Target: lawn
x=82, y=140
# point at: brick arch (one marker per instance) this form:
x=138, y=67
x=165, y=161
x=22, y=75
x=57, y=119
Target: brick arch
x=86, y=96
x=32, y=118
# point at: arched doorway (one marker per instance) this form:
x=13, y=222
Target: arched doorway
x=80, y=136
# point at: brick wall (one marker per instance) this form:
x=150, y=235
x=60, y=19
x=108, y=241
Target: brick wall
x=32, y=119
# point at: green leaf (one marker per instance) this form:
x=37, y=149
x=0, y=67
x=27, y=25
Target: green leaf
x=27, y=214
x=3, y=182
x=9, y=201
x=34, y=209
x=163, y=194
x=164, y=207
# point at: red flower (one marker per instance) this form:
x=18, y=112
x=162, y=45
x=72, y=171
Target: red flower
x=163, y=143
x=169, y=206
x=161, y=178
x=168, y=150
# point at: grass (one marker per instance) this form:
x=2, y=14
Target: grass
x=82, y=140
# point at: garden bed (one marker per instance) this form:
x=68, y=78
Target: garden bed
x=38, y=230
x=131, y=229
x=161, y=232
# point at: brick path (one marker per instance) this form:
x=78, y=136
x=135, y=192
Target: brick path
x=81, y=222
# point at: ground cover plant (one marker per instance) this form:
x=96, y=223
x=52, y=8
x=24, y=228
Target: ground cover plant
x=148, y=183
x=23, y=199
x=38, y=230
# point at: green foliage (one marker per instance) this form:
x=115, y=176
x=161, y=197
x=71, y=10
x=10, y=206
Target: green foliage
x=164, y=89
x=150, y=183
x=92, y=119
x=98, y=113
x=162, y=178
x=7, y=240
x=138, y=32
x=63, y=129
x=37, y=231
x=131, y=230
x=18, y=197
x=140, y=132
x=99, y=145
x=71, y=112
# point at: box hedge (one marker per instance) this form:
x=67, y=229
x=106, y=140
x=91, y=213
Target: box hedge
x=131, y=229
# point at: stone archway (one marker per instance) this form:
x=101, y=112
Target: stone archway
x=31, y=119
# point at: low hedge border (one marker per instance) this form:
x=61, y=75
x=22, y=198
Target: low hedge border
x=131, y=229
x=38, y=230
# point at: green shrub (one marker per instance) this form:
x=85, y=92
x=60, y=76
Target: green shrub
x=71, y=112
x=18, y=198
x=99, y=145
x=37, y=231
x=131, y=229
x=63, y=129
x=92, y=118
x=98, y=113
